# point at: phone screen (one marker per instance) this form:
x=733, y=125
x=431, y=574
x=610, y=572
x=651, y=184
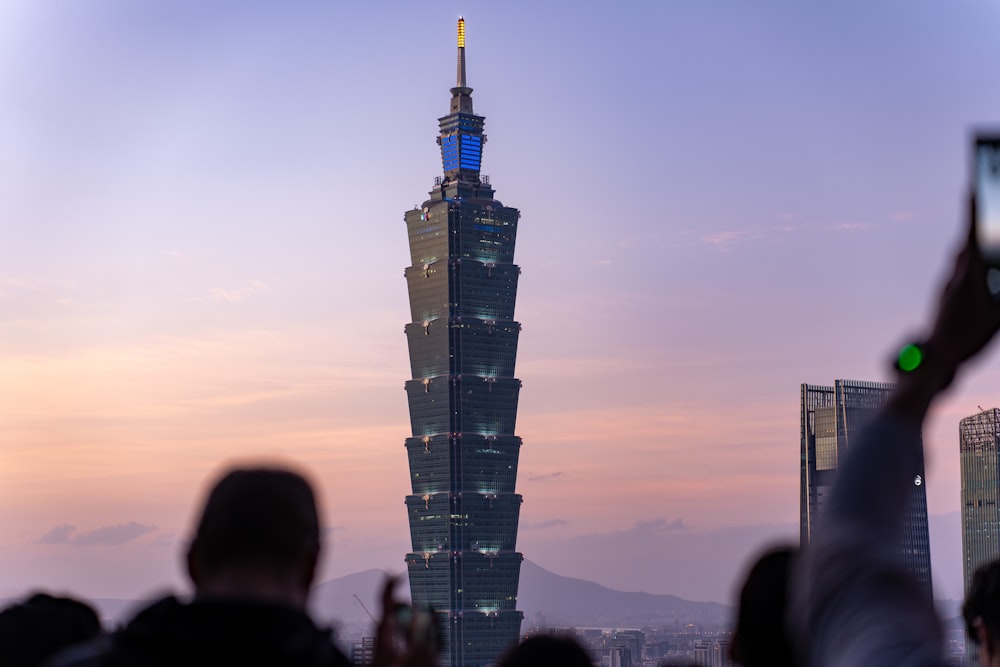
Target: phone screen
x=988, y=198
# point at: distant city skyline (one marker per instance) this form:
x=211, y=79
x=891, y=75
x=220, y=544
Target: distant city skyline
x=200, y=252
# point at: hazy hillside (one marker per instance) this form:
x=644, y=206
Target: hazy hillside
x=567, y=601
x=562, y=600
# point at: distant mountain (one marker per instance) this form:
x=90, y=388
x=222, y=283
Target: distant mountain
x=577, y=602
x=333, y=600
x=562, y=601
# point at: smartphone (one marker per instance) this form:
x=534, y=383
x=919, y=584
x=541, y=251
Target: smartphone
x=986, y=169
x=418, y=625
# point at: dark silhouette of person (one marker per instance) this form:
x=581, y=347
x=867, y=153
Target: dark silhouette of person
x=252, y=561
x=760, y=638
x=981, y=612
x=547, y=650
x=36, y=629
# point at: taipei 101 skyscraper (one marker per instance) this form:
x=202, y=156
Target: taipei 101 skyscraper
x=463, y=453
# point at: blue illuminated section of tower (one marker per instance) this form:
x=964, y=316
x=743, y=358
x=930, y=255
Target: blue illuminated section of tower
x=462, y=337
x=462, y=137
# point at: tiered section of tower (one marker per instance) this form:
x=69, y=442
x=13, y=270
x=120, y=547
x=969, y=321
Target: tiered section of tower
x=463, y=510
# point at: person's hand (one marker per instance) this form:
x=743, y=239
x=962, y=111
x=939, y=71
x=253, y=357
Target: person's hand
x=968, y=316
x=966, y=320
x=394, y=645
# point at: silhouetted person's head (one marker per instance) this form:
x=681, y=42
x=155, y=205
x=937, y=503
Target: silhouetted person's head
x=258, y=537
x=981, y=611
x=546, y=650
x=33, y=631
x=760, y=637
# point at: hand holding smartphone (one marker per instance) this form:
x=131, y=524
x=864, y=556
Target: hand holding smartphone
x=986, y=179
x=418, y=625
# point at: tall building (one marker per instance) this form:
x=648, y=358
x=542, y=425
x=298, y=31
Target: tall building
x=620, y=656
x=711, y=653
x=363, y=652
x=463, y=453
x=979, y=436
x=831, y=418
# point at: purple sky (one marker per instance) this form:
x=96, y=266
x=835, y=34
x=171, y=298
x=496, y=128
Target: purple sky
x=202, y=246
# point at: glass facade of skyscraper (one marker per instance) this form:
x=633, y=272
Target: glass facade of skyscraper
x=463, y=510
x=978, y=437
x=831, y=418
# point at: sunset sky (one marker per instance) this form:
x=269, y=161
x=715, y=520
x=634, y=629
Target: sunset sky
x=202, y=251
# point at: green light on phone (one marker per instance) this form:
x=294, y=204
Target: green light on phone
x=910, y=358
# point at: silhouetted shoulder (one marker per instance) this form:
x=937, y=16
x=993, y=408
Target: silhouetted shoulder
x=35, y=629
x=89, y=654
x=213, y=632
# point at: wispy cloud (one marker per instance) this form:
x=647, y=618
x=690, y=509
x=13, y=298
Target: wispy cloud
x=105, y=535
x=848, y=226
x=235, y=295
x=641, y=529
x=721, y=239
x=113, y=535
x=542, y=525
x=726, y=238
x=58, y=535
x=550, y=475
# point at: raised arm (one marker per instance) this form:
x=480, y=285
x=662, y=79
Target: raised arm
x=855, y=605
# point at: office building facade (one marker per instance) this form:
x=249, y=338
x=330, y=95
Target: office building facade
x=978, y=438
x=463, y=453
x=831, y=417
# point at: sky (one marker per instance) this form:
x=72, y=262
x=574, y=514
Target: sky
x=202, y=250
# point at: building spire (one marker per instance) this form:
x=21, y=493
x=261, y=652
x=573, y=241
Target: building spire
x=461, y=139
x=461, y=53
x=461, y=94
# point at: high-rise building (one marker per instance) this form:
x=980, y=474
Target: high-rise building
x=363, y=652
x=634, y=640
x=463, y=453
x=831, y=418
x=711, y=653
x=620, y=656
x=978, y=438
